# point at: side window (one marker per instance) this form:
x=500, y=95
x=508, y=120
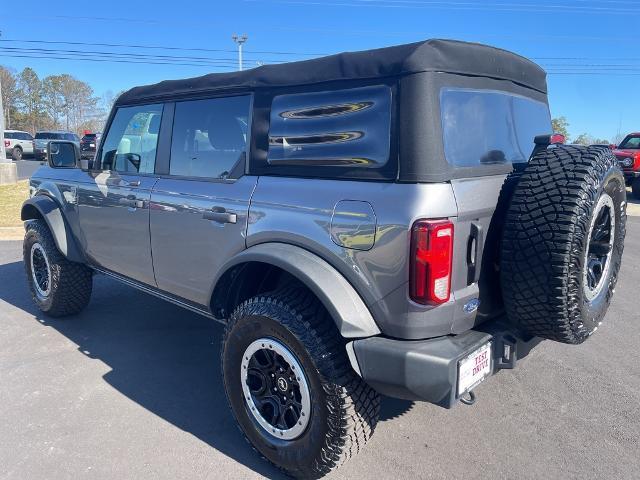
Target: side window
x=132, y=140
x=344, y=129
x=26, y=136
x=10, y=135
x=210, y=137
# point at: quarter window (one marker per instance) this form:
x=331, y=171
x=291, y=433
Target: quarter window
x=132, y=140
x=484, y=127
x=210, y=137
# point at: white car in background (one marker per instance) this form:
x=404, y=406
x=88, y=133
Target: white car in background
x=18, y=144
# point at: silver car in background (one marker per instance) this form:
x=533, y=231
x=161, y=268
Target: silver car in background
x=44, y=137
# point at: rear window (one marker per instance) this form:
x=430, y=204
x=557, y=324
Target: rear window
x=485, y=127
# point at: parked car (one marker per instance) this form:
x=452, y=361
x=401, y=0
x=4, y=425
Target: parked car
x=384, y=222
x=44, y=137
x=628, y=154
x=18, y=144
x=88, y=145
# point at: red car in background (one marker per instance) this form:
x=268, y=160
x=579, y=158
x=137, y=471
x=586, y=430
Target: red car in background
x=628, y=155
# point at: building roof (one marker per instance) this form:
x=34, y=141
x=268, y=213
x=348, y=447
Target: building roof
x=427, y=56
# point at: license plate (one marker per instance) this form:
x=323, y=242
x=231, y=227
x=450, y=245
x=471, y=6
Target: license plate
x=474, y=368
x=92, y=145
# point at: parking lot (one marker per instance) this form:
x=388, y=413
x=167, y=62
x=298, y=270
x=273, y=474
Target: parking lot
x=131, y=389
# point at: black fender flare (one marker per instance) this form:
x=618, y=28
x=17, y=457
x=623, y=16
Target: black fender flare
x=344, y=304
x=43, y=206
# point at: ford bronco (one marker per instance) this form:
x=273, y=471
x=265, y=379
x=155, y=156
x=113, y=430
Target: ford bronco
x=628, y=155
x=399, y=221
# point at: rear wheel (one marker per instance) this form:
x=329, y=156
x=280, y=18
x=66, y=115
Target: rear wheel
x=290, y=385
x=562, y=242
x=635, y=188
x=16, y=153
x=58, y=287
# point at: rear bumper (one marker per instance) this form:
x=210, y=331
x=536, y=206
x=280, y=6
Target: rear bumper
x=630, y=175
x=427, y=370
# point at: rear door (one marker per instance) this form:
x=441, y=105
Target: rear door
x=114, y=199
x=200, y=206
x=482, y=128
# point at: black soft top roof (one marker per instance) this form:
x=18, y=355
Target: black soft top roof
x=427, y=56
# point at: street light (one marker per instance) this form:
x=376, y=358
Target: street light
x=239, y=40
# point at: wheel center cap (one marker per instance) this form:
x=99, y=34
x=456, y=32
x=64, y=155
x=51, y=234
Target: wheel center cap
x=283, y=385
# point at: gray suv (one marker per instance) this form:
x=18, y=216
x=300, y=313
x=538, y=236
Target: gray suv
x=43, y=138
x=399, y=221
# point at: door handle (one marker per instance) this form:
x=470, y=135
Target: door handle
x=220, y=215
x=134, y=183
x=131, y=201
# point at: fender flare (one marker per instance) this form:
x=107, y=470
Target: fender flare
x=344, y=304
x=50, y=211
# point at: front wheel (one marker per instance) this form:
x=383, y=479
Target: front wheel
x=58, y=287
x=290, y=385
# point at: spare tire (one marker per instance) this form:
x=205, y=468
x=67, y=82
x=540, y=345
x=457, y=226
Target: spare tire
x=562, y=242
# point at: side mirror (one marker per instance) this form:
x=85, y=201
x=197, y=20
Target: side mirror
x=63, y=154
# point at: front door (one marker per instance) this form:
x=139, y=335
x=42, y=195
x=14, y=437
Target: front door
x=199, y=211
x=114, y=198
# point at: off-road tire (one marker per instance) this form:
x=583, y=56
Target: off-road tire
x=635, y=188
x=71, y=282
x=344, y=410
x=16, y=153
x=545, y=240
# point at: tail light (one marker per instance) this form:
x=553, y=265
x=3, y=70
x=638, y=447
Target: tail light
x=431, y=255
x=7, y=143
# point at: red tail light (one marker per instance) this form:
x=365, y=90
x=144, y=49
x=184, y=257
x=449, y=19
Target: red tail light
x=7, y=143
x=431, y=255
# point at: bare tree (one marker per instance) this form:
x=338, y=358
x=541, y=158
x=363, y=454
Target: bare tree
x=30, y=88
x=9, y=93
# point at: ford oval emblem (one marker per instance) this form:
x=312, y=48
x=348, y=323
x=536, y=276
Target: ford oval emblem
x=472, y=305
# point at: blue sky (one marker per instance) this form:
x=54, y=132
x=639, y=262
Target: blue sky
x=598, y=37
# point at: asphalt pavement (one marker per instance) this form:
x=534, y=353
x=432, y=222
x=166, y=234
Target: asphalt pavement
x=26, y=168
x=131, y=389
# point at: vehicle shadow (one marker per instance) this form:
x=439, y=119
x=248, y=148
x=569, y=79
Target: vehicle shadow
x=162, y=357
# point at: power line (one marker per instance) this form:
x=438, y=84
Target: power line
x=123, y=54
x=159, y=47
x=469, y=6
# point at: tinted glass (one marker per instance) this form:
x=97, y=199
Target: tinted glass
x=482, y=127
x=339, y=128
x=210, y=137
x=10, y=135
x=24, y=136
x=72, y=137
x=630, y=142
x=51, y=136
x=132, y=140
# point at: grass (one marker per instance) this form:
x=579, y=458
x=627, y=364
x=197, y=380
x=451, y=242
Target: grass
x=11, y=198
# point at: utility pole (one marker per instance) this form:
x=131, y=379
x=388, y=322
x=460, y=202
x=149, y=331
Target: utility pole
x=3, y=153
x=8, y=169
x=239, y=40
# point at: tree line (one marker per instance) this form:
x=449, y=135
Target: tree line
x=561, y=125
x=60, y=102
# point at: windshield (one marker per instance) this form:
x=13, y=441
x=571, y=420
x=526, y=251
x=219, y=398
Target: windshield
x=630, y=142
